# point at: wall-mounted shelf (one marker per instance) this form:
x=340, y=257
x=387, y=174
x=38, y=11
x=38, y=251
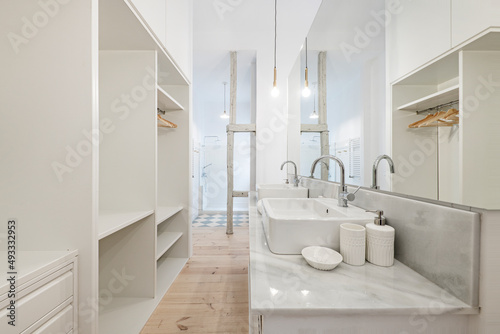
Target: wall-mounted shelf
x=166, y=101
x=113, y=221
x=164, y=241
x=432, y=100
x=165, y=212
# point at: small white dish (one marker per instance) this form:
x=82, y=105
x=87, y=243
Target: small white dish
x=321, y=258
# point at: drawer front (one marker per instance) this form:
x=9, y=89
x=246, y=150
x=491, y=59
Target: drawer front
x=61, y=323
x=33, y=306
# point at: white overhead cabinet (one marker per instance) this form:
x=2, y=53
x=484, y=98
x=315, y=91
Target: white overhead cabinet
x=469, y=17
x=171, y=21
x=86, y=166
x=416, y=32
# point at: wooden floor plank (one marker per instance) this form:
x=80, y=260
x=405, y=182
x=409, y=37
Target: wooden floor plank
x=210, y=295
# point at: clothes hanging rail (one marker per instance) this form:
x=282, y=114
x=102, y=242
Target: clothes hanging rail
x=437, y=107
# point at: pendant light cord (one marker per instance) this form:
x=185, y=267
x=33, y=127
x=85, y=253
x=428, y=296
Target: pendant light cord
x=306, y=52
x=224, y=97
x=275, y=30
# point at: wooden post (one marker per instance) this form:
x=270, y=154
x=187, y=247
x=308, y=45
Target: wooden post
x=232, y=87
x=322, y=115
x=230, y=181
x=230, y=140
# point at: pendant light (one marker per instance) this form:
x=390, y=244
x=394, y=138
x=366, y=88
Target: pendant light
x=275, y=91
x=224, y=115
x=314, y=114
x=306, y=92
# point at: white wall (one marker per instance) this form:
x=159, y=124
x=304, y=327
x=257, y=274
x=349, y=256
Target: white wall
x=39, y=126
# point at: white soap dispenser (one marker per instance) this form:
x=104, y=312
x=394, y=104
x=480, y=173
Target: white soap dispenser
x=380, y=241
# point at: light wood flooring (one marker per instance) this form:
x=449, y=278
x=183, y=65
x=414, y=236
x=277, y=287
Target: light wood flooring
x=210, y=295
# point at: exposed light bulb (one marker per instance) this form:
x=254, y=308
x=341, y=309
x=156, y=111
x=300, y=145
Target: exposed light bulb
x=314, y=115
x=224, y=115
x=306, y=92
x=275, y=92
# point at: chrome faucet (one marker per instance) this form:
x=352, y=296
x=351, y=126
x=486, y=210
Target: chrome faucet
x=343, y=195
x=375, y=166
x=296, y=178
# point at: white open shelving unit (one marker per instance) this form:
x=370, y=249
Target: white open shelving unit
x=144, y=191
x=435, y=161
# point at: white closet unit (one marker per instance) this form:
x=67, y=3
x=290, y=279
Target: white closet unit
x=86, y=167
x=435, y=162
x=144, y=169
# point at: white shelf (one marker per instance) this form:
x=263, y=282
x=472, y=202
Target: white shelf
x=165, y=212
x=164, y=241
x=126, y=315
x=129, y=315
x=432, y=100
x=113, y=221
x=166, y=102
x=167, y=270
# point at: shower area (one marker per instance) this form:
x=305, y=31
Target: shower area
x=211, y=97
x=213, y=173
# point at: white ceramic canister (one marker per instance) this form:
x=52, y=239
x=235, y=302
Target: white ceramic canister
x=353, y=243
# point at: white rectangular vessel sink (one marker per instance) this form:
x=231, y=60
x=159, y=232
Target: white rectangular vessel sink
x=293, y=224
x=281, y=191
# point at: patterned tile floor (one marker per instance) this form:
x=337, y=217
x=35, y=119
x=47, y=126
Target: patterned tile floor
x=220, y=219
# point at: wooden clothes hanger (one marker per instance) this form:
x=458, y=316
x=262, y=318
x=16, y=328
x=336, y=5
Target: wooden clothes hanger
x=441, y=118
x=432, y=119
x=165, y=124
x=417, y=123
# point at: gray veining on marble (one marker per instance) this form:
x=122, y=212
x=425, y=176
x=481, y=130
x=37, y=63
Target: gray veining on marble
x=439, y=242
x=286, y=284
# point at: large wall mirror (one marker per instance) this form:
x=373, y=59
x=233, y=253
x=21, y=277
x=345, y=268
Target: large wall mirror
x=346, y=68
x=345, y=56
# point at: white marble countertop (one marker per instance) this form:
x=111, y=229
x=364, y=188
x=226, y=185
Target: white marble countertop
x=287, y=285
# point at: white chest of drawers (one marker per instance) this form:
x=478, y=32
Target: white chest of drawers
x=45, y=293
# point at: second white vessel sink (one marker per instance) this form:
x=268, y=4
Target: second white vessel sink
x=295, y=223
x=281, y=191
